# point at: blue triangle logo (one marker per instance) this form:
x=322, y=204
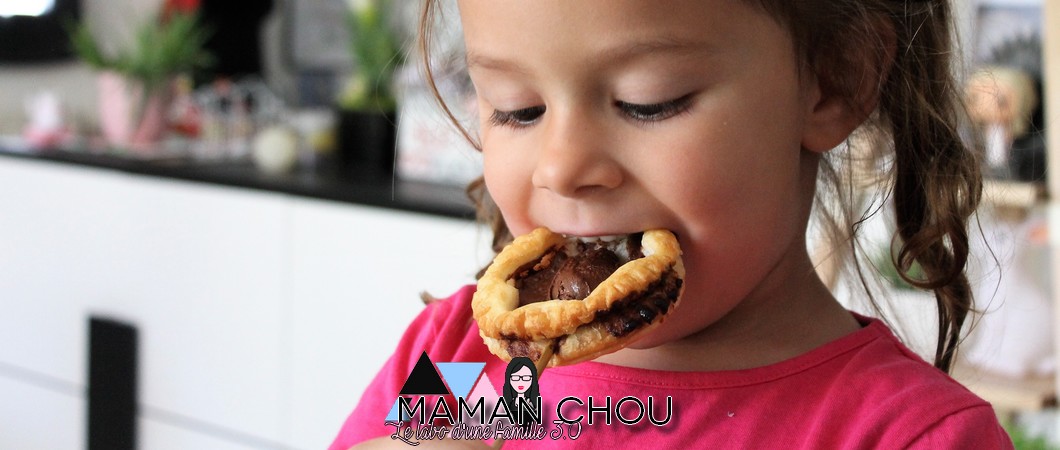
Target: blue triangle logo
x=461, y=376
x=392, y=416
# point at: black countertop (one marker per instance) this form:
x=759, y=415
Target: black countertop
x=370, y=189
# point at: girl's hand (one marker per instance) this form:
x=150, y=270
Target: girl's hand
x=386, y=442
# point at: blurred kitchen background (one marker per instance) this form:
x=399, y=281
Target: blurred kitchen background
x=217, y=216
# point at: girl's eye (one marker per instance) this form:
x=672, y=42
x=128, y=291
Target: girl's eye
x=519, y=118
x=655, y=112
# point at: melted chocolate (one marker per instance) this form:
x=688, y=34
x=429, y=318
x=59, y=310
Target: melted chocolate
x=534, y=279
x=558, y=276
x=633, y=247
x=641, y=309
x=519, y=347
x=582, y=273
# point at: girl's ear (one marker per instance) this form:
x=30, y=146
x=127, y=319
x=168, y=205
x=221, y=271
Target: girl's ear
x=844, y=91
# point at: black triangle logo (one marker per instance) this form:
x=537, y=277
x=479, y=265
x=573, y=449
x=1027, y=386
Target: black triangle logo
x=424, y=379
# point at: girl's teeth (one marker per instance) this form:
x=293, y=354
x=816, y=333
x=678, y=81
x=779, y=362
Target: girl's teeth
x=591, y=239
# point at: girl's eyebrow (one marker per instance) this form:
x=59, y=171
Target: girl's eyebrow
x=616, y=54
x=475, y=59
x=657, y=44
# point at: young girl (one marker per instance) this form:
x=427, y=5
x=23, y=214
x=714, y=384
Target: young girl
x=716, y=119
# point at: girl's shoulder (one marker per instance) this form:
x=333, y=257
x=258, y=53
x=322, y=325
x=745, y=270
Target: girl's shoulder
x=888, y=390
x=887, y=368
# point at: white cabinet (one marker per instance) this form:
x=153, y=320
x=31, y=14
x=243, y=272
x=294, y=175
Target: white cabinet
x=185, y=435
x=207, y=295
x=353, y=296
x=261, y=316
x=60, y=245
x=38, y=415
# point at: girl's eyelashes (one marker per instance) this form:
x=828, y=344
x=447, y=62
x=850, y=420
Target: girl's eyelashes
x=655, y=112
x=518, y=118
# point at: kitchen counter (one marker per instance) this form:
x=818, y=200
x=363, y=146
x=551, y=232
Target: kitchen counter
x=367, y=188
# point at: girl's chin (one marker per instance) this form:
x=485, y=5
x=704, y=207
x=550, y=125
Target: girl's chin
x=652, y=339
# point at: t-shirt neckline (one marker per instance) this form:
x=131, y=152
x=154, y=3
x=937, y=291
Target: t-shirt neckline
x=872, y=329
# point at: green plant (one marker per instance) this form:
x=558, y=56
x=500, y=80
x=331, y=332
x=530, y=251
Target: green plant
x=884, y=262
x=1022, y=440
x=377, y=53
x=160, y=50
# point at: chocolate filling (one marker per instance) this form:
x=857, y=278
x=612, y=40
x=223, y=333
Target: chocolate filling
x=534, y=280
x=580, y=274
x=623, y=318
x=518, y=347
x=573, y=274
x=642, y=308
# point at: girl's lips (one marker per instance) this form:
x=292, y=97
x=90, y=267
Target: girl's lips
x=520, y=387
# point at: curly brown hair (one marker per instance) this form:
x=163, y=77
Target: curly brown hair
x=906, y=47
x=934, y=179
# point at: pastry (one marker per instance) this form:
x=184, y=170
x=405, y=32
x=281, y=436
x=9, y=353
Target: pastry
x=566, y=300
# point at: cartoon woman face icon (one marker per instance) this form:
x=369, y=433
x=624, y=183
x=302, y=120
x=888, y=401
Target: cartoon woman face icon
x=521, y=390
x=522, y=379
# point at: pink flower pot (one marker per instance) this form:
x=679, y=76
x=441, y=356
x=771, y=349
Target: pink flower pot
x=127, y=118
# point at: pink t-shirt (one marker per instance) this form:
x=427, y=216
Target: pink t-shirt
x=864, y=390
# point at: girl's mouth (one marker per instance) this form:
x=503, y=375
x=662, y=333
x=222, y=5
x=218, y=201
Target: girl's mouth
x=520, y=387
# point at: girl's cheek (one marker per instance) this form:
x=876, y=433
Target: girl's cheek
x=510, y=192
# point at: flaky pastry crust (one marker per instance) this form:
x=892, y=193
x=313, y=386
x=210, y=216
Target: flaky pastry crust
x=567, y=325
x=586, y=343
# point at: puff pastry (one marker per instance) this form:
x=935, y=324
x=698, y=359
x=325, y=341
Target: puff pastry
x=540, y=298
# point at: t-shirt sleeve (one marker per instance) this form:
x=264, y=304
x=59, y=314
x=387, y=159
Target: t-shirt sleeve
x=974, y=427
x=367, y=419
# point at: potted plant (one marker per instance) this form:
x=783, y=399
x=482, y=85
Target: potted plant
x=367, y=106
x=135, y=85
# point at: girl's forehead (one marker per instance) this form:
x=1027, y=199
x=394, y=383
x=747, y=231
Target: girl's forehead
x=523, y=371
x=607, y=29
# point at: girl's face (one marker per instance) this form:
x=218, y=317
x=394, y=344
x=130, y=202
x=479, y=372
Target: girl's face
x=521, y=379
x=602, y=117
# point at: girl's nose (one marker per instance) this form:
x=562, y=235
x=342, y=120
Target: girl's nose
x=575, y=160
